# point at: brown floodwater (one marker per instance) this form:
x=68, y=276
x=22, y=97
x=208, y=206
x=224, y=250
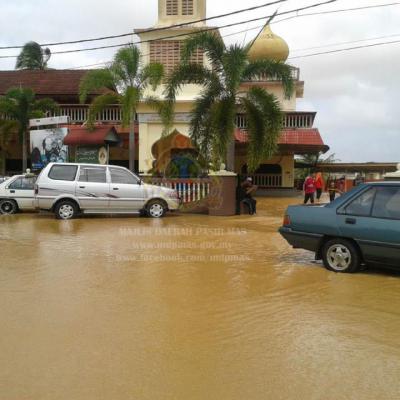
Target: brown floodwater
x=188, y=307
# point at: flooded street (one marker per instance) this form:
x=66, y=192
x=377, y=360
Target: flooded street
x=188, y=307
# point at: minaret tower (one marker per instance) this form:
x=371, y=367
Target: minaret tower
x=172, y=12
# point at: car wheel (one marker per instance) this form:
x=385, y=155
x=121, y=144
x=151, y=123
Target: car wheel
x=66, y=210
x=8, y=207
x=341, y=255
x=156, y=209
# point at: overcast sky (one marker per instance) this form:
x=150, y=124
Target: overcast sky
x=355, y=93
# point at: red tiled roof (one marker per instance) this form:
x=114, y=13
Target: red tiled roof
x=304, y=139
x=48, y=82
x=79, y=135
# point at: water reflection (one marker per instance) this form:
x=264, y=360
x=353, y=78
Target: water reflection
x=187, y=307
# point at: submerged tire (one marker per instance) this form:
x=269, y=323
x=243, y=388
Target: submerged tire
x=341, y=255
x=8, y=207
x=65, y=210
x=156, y=209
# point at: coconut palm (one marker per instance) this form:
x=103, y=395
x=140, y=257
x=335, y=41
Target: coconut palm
x=214, y=114
x=126, y=82
x=33, y=56
x=20, y=105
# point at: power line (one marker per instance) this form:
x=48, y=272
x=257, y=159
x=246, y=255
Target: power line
x=338, y=11
x=345, y=49
x=156, y=29
x=348, y=42
x=185, y=34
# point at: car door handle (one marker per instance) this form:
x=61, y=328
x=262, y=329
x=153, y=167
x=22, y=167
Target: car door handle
x=12, y=191
x=82, y=187
x=351, y=221
x=115, y=188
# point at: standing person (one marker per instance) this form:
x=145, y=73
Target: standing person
x=332, y=189
x=319, y=185
x=309, y=189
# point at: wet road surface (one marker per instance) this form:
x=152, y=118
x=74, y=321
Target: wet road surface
x=188, y=307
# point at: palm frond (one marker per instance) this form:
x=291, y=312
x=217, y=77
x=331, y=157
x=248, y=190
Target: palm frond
x=234, y=62
x=126, y=65
x=152, y=74
x=185, y=74
x=165, y=110
x=264, y=125
x=32, y=56
x=99, y=104
x=210, y=42
x=271, y=69
x=45, y=105
x=95, y=80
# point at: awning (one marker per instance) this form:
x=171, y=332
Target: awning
x=101, y=135
x=297, y=141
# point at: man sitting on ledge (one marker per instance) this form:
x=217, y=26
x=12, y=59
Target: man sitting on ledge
x=246, y=191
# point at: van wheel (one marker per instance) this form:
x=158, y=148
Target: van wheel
x=340, y=255
x=66, y=209
x=8, y=207
x=156, y=209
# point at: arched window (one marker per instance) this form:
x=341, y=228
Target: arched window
x=187, y=7
x=171, y=7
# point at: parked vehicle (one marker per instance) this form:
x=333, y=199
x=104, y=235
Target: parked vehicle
x=360, y=227
x=17, y=194
x=3, y=178
x=70, y=189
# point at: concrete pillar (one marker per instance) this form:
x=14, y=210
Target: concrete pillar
x=222, y=198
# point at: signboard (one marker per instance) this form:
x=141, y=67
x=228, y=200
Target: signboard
x=49, y=121
x=47, y=146
x=91, y=155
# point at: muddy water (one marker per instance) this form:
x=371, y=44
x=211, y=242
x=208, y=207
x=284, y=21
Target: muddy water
x=188, y=307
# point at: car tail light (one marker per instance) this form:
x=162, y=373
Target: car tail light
x=286, y=220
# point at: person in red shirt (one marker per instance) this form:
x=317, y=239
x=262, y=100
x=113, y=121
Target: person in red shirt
x=319, y=185
x=309, y=189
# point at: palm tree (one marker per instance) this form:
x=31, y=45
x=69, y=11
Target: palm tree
x=32, y=56
x=7, y=129
x=20, y=105
x=214, y=114
x=126, y=81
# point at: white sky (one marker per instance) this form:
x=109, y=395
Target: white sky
x=355, y=93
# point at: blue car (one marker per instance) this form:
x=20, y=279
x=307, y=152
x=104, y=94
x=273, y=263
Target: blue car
x=360, y=227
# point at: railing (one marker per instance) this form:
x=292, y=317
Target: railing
x=79, y=113
x=290, y=120
x=268, y=78
x=267, y=180
x=189, y=190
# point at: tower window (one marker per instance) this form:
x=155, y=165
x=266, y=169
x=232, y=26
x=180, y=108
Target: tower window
x=172, y=7
x=187, y=7
x=168, y=53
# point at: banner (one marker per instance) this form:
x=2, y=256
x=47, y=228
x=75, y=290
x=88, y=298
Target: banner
x=47, y=146
x=91, y=155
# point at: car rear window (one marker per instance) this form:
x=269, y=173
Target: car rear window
x=387, y=203
x=63, y=172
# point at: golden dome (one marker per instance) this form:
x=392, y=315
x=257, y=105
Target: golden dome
x=269, y=46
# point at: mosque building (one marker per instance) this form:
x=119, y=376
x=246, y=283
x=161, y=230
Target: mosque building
x=298, y=136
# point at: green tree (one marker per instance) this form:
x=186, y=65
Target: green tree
x=126, y=81
x=307, y=163
x=20, y=105
x=214, y=115
x=7, y=129
x=33, y=56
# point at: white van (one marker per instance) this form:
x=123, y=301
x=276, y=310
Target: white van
x=70, y=189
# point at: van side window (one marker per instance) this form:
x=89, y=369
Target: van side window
x=387, y=203
x=362, y=205
x=93, y=174
x=121, y=176
x=63, y=172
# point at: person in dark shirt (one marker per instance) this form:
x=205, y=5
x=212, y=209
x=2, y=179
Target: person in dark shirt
x=247, y=189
